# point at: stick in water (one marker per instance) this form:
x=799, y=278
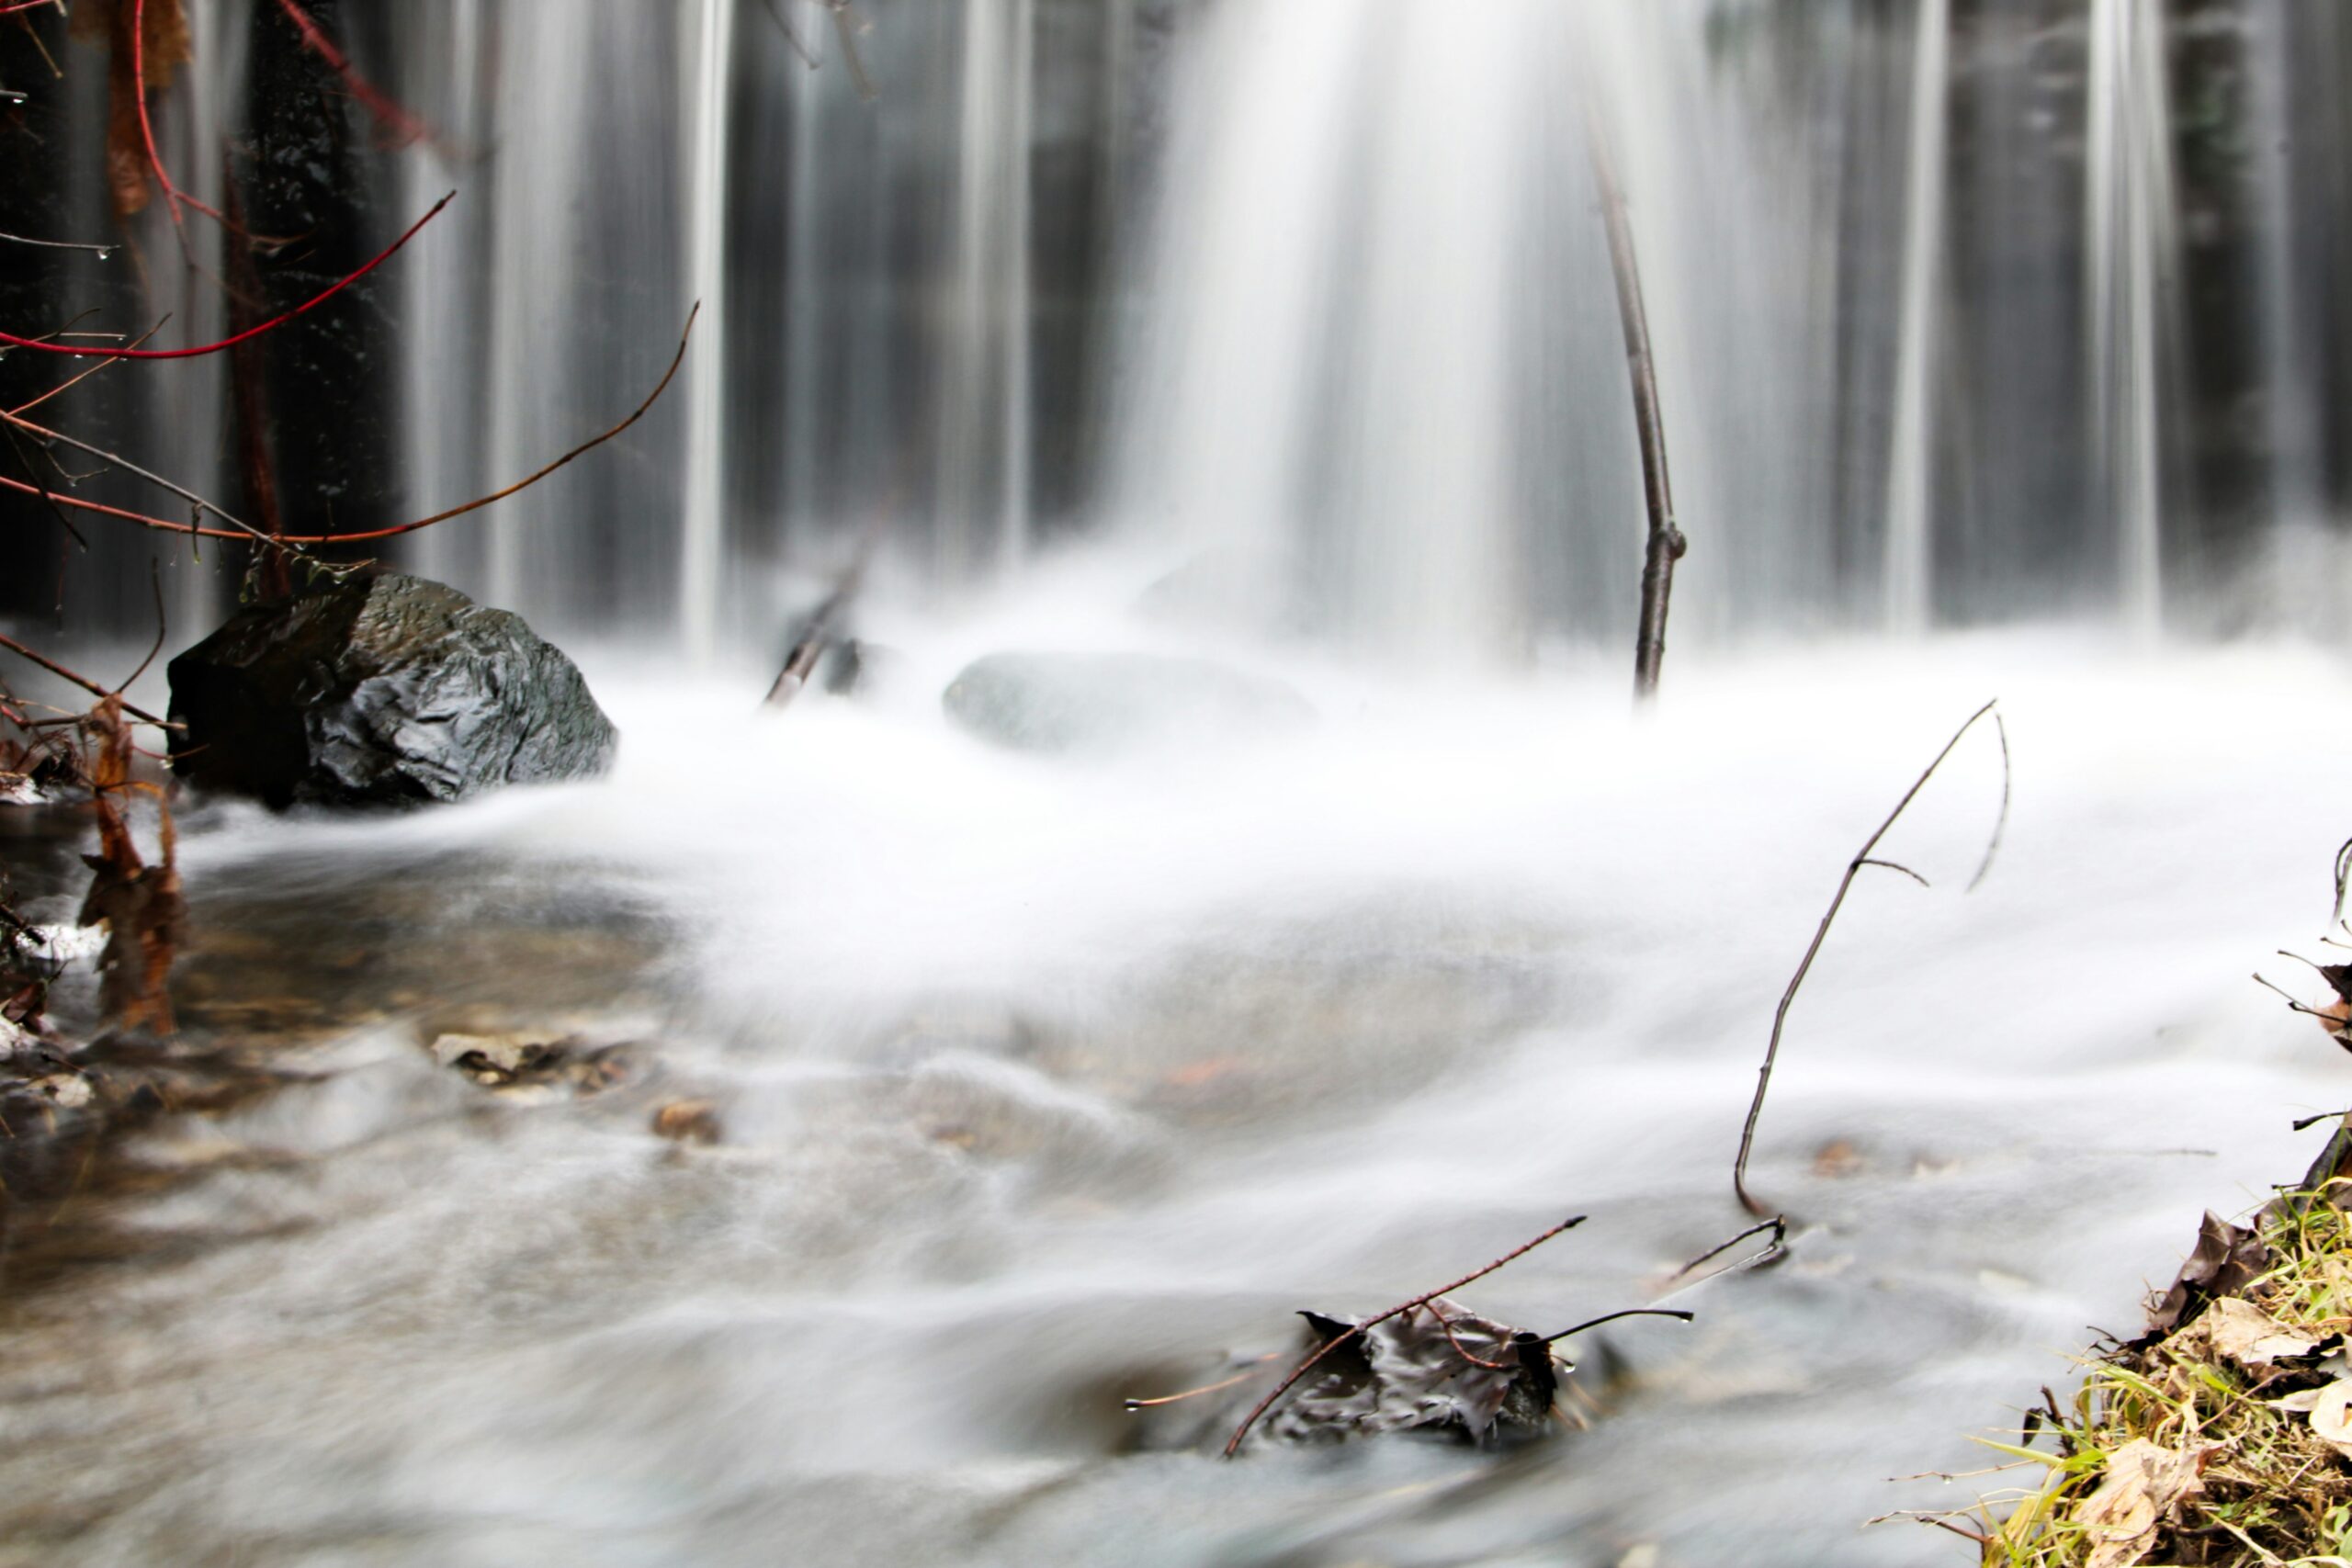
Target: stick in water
x=1863, y=857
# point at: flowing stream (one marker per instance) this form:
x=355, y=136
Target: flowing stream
x=1280, y=334
x=1047, y=1083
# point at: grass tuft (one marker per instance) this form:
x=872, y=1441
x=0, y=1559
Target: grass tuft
x=2240, y=1480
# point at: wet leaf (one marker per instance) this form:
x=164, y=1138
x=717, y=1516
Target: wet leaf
x=140, y=905
x=1439, y=1367
x=2143, y=1489
x=2226, y=1260
x=2244, y=1333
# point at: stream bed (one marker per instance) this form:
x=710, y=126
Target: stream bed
x=1045, y=1082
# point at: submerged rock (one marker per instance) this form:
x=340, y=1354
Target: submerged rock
x=1112, y=702
x=382, y=690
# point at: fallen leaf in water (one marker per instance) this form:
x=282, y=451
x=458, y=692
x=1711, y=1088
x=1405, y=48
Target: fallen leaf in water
x=2244, y=1333
x=1438, y=1367
x=139, y=904
x=2332, y=1416
x=2144, y=1487
x=2226, y=1260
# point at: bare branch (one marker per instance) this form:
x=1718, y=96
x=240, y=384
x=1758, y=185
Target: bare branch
x=1781, y=1014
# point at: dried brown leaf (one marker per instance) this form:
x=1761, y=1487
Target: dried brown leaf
x=2144, y=1488
x=2226, y=1260
x=2244, y=1333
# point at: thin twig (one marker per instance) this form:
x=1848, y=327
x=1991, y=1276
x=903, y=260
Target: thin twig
x=312, y=303
x=1462, y=1350
x=1665, y=544
x=2000, y=823
x=1778, y=1224
x=54, y=667
x=165, y=524
x=404, y=125
x=1255, y=1369
x=101, y=251
x=1300, y=1371
x=87, y=371
x=49, y=497
x=845, y=28
x=791, y=34
x=155, y=581
x=1613, y=1316
x=2337, y=1019
x=1781, y=1014
x=126, y=466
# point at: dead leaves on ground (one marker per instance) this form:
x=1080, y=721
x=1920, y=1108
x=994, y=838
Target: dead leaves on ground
x=2227, y=1258
x=2143, y=1491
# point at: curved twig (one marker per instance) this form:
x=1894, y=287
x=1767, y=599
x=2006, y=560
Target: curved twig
x=2000, y=823
x=54, y=667
x=1821, y=933
x=198, y=351
x=165, y=525
x=388, y=111
x=1613, y=1316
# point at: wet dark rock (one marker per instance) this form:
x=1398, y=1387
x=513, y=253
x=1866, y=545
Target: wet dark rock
x=382, y=690
x=1065, y=703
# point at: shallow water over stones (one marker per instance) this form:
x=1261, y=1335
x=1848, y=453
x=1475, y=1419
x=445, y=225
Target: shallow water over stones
x=1042, y=1085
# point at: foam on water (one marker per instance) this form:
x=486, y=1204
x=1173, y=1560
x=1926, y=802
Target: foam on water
x=1048, y=1081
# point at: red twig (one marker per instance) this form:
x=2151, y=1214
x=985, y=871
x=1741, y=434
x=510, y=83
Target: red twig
x=1233, y=1443
x=165, y=524
x=307, y=306
x=1459, y=1349
x=84, y=681
x=393, y=115
x=173, y=195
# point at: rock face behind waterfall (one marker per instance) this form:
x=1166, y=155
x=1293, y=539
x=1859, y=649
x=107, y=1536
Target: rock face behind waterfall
x=1102, y=703
x=380, y=689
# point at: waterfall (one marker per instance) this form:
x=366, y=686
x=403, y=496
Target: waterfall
x=2130, y=227
x=1910, y=503
x=702, y=538
x=1385, y=399
x=985, y=390
x=1307, y=298
x=1251, y=231
x=544, y=90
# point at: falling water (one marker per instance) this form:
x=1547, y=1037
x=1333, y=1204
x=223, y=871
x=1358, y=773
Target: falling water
x=2130, y=228
x=984, y=395
x=1282, y=332
x=1910, y=505
x=702, y=542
